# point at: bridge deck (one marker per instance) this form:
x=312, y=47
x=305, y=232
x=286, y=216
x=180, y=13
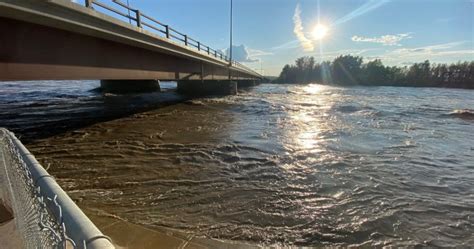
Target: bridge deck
x=58, y=39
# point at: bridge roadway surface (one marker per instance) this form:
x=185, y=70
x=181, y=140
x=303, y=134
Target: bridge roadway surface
x=62, y=40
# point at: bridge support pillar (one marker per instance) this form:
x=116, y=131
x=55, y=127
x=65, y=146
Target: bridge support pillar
x=246, y=83
x=129, y=86
x=207, y=87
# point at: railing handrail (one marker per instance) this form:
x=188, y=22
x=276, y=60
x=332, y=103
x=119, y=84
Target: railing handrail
x=169, y=32
x=113, y=10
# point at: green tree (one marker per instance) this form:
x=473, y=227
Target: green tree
x=346, y=70
x=375, y=73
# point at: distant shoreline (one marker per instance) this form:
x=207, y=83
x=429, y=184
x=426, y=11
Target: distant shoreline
x=348, y=70
x=363, y=85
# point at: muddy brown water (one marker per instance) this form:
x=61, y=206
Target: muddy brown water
x=275, y=165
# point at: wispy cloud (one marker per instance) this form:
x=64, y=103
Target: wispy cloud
x=242, y=53
x=365, y=8
x=444, y=20
x=255, y=52
x=329, y=55
x=427, y=54
x=306, y=43
x=437, y=52
x=386, y=40
x=430, y=48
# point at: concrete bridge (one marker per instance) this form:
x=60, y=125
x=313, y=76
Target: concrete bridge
x=123, y=47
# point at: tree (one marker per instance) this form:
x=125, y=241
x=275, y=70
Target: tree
x=346, y=70
x=375, y=73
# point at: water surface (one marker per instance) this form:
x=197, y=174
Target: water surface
x=304, y=165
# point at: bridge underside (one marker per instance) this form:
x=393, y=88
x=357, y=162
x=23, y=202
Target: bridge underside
x=31, y=51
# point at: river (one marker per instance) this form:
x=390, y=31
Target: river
x=302, y=165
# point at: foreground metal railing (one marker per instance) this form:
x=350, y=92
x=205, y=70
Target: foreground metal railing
x=45, y=216
x=144, y=21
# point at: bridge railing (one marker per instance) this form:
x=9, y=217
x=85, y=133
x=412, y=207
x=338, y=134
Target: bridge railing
x=145, y=21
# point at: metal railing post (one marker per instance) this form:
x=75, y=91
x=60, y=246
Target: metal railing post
x=139, y=19
x=185, y=40
x=208, y=51
x=167, y=30
x=89, y=3
x=215, y=53
x=199, y=46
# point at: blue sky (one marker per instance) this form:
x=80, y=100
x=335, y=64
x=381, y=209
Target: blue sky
x=399, y=32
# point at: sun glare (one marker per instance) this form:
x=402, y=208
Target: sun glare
x=319, y=32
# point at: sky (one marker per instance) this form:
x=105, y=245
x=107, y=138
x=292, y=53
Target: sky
x=268, y=34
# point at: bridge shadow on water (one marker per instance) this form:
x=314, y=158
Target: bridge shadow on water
x=34, y=115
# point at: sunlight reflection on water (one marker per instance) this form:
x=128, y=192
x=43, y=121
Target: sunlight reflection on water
x=314, y=88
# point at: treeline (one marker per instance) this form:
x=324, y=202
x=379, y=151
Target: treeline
x=351, y=70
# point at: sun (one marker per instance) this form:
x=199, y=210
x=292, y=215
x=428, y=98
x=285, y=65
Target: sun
x=319, y=32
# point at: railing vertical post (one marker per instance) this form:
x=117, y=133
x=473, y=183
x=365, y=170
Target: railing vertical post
x=89, y=3
x=186, y=40
x=167, y=29
x=199, y=46
x=215, y=53
x=208, y=51
x=139, y=18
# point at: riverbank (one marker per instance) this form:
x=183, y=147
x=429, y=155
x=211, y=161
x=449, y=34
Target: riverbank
x=9, y=237
x=127, y=235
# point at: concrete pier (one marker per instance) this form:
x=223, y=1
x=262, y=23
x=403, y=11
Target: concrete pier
x=207, y=87
x=129, y=86
x=246, y=83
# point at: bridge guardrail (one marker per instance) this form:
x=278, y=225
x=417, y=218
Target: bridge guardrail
x=142, y=20
x=45, y=216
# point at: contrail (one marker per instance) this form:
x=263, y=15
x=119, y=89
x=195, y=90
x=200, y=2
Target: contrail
x=366, y=7
x=287, y=45
x=298, y=30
